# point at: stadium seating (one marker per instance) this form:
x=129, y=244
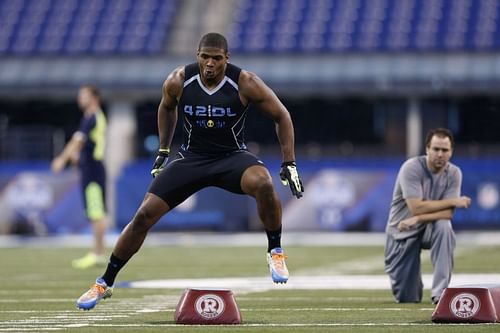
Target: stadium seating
x=55, y=27
x=300, y=26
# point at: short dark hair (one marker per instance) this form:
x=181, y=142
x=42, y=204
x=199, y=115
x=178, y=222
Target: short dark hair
x=213, y=39
x=93, y=90
x=440, y=132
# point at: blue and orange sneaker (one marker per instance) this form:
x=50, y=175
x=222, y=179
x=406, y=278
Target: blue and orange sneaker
x=99, y=291
x=277, y=267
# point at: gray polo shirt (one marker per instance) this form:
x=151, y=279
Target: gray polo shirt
x=416, y=181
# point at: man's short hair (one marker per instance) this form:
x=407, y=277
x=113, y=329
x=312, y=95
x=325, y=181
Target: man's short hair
x=439, y=132
x=93, y=90
x=213, y=39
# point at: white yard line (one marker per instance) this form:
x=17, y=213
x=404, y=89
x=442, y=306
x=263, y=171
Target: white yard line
x=202, y=239
x=346, y=282
x=41, y=327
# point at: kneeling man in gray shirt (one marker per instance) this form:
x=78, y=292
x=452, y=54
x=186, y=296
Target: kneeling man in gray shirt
x=426, y=193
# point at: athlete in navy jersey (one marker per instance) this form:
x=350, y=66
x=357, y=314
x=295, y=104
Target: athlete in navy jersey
x=86, y=148
x=213, y=119
x=212, y=98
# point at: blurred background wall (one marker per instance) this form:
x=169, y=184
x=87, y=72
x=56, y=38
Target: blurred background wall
x=363, y=80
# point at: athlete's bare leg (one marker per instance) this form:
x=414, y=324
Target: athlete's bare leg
x=257, y=182
x=132, y=237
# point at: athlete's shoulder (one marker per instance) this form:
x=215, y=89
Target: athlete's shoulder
x=177, y=75
x=248, y=75
x=249, y=81
x=174, y=81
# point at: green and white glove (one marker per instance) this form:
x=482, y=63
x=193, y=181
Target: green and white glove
x=160, y=161
x=290, y=176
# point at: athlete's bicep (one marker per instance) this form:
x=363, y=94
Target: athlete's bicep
x=172, y=89
x=168, y=101
x=256, y=92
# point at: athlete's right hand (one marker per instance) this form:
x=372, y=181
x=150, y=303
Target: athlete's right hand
x=160, y=161
x=289, y=176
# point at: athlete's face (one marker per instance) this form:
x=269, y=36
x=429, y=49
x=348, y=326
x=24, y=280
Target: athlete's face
x=439, y=152
x=212, y=62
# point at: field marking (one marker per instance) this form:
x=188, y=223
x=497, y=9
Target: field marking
x=245, y=285
x=129, y=308
x=118, y=309
x=241, y=309
x=205, y=239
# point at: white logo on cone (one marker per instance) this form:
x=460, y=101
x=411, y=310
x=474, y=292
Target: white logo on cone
x=209, y=306
x=464, y=305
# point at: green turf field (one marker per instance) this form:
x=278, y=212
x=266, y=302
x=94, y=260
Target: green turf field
x=38, y=290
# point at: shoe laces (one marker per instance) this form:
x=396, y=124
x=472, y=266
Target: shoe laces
x=96, y=290
x=279, y=260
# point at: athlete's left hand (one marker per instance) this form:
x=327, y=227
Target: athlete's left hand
x=290, y=176
x=160, y=162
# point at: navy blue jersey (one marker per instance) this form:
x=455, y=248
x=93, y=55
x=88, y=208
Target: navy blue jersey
x=214, y=120
x=93, y=174
x=93, y=128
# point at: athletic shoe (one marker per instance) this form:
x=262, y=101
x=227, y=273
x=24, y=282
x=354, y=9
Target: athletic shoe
x=435, y=300
x=277, y=266
x=88, y=261
x=98, y=291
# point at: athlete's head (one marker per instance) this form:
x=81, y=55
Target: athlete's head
x=89, y=97
x=439, y=148
x=212, y=57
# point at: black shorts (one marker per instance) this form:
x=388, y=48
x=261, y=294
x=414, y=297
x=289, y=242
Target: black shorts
x=189, y=172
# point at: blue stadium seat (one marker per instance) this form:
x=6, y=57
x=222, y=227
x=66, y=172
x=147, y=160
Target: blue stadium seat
x=53, y=27
x=58, y=27
x=302, y=26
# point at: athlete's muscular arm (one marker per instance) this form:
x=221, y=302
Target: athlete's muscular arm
x=254, y=90
x=167, y=114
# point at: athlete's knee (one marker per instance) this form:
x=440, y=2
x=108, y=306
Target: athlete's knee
x=264, y=186
x=142, y=221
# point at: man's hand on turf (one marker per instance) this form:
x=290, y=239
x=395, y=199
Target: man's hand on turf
x=290, y=176
x=160, y=162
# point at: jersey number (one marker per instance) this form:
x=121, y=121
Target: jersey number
x=203, y=111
